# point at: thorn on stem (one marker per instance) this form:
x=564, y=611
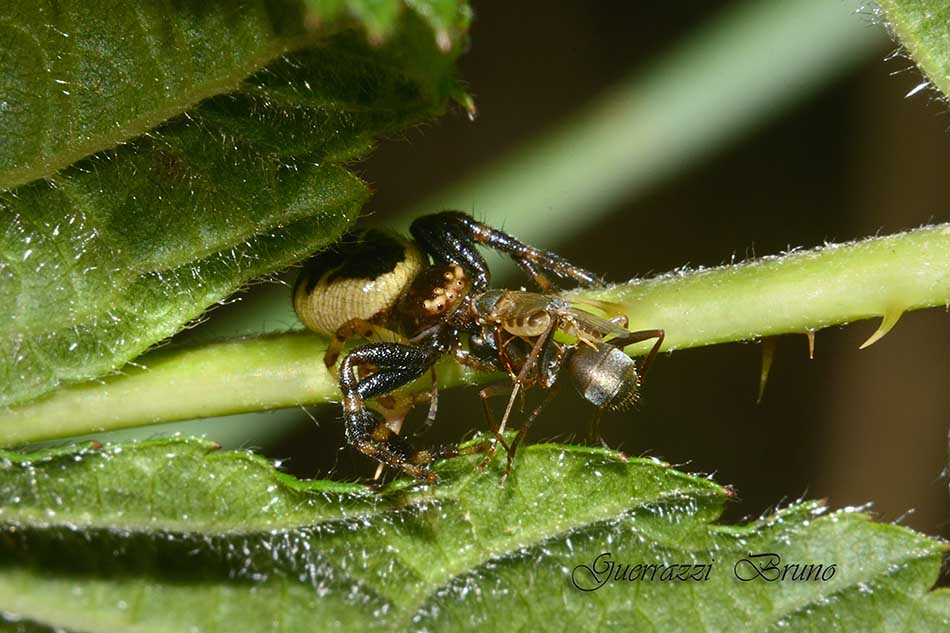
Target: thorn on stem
x=890, y=318
x=468, y=104
x=768, y=353
x=811, y=343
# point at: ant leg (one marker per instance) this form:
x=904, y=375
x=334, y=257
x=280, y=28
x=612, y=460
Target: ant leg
x=352, y=329
x=523, y=431
x=450, y=237
x=636, y=337
x=395, y=408
x=396, y=365
x=530, y=362
x=490, y=391
x=595, y=436
x=433, y=400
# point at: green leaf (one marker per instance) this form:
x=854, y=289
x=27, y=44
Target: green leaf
x=80, y=77
x=921, y=26
x=122, y=249
x=448, y=19
x=169, y=536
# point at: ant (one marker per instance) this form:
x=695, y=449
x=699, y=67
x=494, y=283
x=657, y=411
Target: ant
x=419, y=300
x=600, y=371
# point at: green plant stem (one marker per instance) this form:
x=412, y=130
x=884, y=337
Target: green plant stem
x=794, y=293
x=221, y=378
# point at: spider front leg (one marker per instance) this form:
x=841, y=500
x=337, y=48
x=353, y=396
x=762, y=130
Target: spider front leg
x=450, y=238
x=395, y=365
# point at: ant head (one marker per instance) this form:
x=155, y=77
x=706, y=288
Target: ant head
x=486, y=304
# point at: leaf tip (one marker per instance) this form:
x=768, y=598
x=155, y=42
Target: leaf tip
x=443, y=40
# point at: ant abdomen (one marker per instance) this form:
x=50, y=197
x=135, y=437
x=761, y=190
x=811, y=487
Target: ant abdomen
x=604, y=376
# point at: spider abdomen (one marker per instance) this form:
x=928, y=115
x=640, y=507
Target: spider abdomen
x=363, y=280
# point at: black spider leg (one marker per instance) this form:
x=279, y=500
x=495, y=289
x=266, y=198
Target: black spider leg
x=395, y=365
x=450, y=238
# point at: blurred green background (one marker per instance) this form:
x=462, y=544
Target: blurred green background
x=635, y=138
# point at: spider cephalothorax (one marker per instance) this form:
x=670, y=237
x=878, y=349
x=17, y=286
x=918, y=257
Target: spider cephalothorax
x=419, y=300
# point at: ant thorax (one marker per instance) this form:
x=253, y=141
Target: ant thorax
x=520, y=313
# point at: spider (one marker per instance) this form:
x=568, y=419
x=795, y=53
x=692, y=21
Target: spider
x=417, y=301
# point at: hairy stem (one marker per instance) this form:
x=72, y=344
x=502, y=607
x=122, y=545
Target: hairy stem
x=793, y=293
